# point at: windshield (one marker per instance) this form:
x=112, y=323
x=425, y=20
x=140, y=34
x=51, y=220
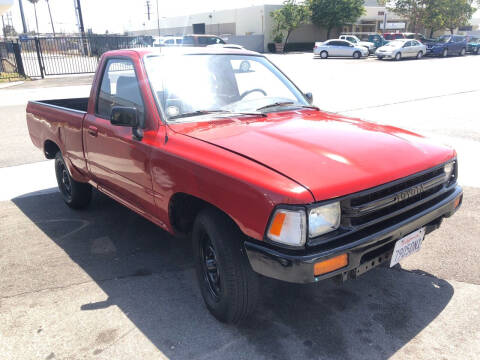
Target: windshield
x=191, y=85
x=443, y=39
x=395, y=43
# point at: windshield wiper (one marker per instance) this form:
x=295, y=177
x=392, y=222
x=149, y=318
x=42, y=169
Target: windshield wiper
x=206, y=112
x=287, y=103
x=195, y=113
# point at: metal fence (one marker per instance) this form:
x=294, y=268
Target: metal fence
x=9, y=58
x=39, y=57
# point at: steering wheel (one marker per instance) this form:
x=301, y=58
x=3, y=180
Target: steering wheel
x=251, y=91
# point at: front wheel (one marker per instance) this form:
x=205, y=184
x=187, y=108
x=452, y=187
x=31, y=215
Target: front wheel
x=357, y=55
x=445, y=53
x=477, y=51
x=227, y=282
x=77, y=195
x=462, y=52
x=419, y=55
x=398, y=56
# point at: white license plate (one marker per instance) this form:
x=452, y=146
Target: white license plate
x=407, y=246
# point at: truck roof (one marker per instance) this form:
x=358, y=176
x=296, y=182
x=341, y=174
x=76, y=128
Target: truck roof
x=184, y=50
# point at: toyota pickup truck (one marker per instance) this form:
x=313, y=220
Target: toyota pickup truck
x=218, y=145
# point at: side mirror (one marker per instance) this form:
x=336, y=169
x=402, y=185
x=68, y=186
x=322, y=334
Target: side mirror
x=127, y=116
x=309, y=97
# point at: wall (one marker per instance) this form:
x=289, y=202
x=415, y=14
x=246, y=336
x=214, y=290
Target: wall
x=250, y=42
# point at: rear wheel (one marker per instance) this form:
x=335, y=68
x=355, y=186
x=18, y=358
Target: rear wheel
x=324, y=54
x=420, y=55
x=227, y=282
x=398, y=56
x=357, y=55
x=77, y=195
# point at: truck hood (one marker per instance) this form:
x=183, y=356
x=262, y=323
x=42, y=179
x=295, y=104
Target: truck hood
x=326, y=153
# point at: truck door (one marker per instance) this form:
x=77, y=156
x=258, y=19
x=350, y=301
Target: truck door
x=117, y=161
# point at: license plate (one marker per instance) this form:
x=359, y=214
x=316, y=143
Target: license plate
x=407, y=246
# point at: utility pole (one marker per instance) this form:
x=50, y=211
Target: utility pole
x=4, y=30
x=148, y=10
x=158, y=20
x=20, y=4
x=51, y=19
x=78, y=9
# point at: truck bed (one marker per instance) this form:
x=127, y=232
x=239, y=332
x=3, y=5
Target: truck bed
x=78, y=104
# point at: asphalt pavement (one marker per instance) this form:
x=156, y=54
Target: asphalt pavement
x=104, y=283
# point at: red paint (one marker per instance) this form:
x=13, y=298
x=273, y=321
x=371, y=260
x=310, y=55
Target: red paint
x=244, y=166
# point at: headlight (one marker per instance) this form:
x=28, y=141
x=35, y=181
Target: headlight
x=288, y=227
x=448, y=169
x=324, y=219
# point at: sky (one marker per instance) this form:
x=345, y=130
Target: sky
x=116, y=16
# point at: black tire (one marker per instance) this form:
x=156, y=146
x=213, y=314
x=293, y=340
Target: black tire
x=357, y=55
x=77, y=195
x=462, y=52
x=323, y=55
x=227, y=282
x=445, y=53
x=398, y=56
x=420, y=55
x=477, y=51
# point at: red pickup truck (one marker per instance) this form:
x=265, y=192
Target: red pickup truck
x=220, y=145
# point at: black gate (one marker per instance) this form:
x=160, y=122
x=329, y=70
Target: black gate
x=11, y=67
x=39, y=57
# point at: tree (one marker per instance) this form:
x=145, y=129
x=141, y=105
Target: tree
x=331, y=14
x=412, y=10
x=289, y=17
x=458, y=13
x=434, y=16
x=51, y=19
x=34, y=2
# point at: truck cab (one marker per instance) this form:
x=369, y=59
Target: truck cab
x=238, y=159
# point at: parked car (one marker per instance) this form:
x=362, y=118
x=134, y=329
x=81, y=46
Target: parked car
x=356, y=41
x=172, y=41
x=240, y=161
x=402, y=48
x=415, y=36
x=393, y=36
x=372, y=37
x=337, y=47
x=448, y=45
x=202, y=40
x=473, y=46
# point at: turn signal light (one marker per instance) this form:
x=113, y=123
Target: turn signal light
x=330, y=265
x=457, y=202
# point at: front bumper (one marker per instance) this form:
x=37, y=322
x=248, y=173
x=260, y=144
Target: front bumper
x=363, y=254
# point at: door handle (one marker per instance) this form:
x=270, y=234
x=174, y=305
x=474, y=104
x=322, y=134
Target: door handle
x=92, y=130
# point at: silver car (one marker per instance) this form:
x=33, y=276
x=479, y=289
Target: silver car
x=337, y=47
x=401, y=48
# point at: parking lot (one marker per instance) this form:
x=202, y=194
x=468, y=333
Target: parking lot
x=104, y=283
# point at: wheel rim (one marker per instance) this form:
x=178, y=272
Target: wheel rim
x=462, y=52
x=445, y=53
x=419, y=55
x=211, y=272
x=398, y=56
x=66, y=184
x=356, y=55
x=323, y=55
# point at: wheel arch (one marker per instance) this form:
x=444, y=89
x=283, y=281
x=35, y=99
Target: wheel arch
x=183, y=208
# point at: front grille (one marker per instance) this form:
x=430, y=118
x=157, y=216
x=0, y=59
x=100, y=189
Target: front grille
x=386, y=201
x=378, y=208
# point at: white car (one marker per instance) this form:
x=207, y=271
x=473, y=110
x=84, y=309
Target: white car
x=401, y=48
x=355, y=40
x=337, y=47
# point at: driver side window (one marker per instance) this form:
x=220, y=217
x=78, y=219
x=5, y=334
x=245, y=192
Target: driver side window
x=119, y=88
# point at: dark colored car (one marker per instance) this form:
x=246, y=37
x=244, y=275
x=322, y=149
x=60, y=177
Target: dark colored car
x=473, y=46
x=201, y=40
x=448, y=45
x=393, y=36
